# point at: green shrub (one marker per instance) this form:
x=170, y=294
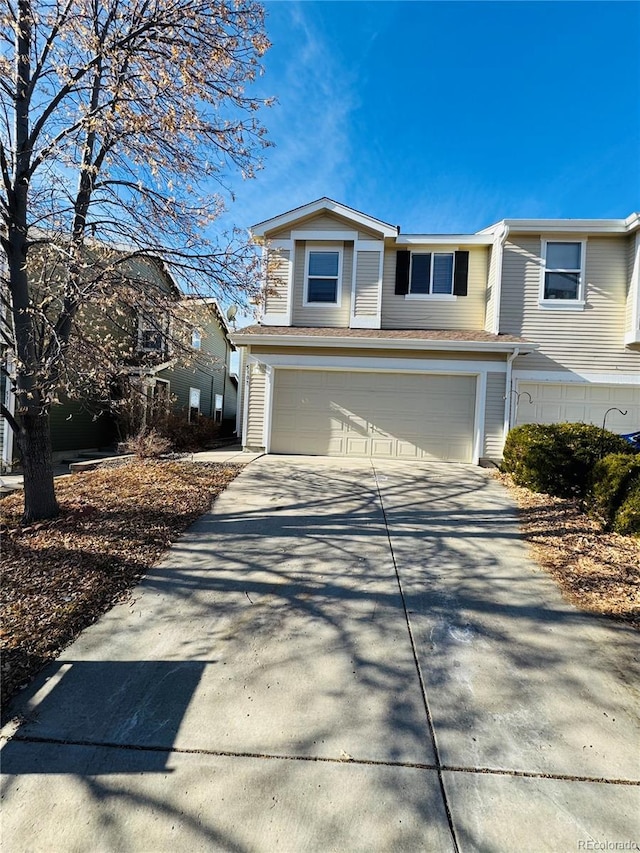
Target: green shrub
x=526, y=453
x=558, y=458
x=613, y=478
x=627, y=518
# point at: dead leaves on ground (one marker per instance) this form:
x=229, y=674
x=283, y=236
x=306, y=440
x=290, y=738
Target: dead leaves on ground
x=59, y=576
x=597, y=571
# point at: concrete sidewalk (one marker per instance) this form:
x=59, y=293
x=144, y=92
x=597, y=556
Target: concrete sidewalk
x=340, y=657
x=225, y=455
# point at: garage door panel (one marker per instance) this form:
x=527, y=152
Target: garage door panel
x=382, y=447
x=408, y=416
x=579, y=403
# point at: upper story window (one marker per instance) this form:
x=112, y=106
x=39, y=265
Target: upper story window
x=437, y=275
x=563, y=271
x=151, y=336
x=431, y=273
x=323, y=273
x=196, y=339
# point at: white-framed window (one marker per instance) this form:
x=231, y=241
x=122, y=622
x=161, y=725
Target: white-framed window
x=196, y=339
x=323, y=275
x=194, y=404
x=431, y=274
x=563, y=272
x=217, y=408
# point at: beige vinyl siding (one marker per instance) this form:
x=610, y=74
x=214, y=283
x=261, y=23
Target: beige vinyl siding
x=632, y=294
x=255, y=413
x=492, y=280
x=277, y=281
x=589, y=340
x=367, y=284
x=324, y=222
x=319, y=315
x=465, y=312
x=494, y=415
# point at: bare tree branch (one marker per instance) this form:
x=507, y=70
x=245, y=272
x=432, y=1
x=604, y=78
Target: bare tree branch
x=121, y=121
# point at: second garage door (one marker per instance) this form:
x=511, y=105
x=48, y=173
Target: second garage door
x=407, y=416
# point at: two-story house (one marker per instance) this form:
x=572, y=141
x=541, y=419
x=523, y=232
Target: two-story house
x=432, y=346
x=174, y=351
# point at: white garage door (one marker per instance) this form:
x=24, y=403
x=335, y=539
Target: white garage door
x=579, y=402
x=406, y=416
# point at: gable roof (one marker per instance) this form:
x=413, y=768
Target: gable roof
x=330, y=206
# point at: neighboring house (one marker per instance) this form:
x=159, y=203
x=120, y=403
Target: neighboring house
x=421, y=346
x=183, y=362
x=202, y=383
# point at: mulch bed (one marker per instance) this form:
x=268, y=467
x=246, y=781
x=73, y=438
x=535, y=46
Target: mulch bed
x=597, y=571
x=59, y=576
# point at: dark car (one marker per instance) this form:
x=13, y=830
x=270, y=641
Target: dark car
x=633, y=438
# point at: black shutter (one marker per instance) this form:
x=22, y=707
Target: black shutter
x=461, y=274
x=402, y=272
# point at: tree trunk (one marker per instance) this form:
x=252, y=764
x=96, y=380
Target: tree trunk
x=34, y=441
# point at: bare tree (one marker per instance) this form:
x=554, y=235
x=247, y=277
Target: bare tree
x=117, y=119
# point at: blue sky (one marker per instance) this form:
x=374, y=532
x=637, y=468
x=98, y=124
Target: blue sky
x=448, y=116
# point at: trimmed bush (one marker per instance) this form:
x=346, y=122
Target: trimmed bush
x=557, y=459
x=614, y=478
x=627, y=518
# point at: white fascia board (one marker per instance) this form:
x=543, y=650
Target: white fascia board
x=260, y=229
x=492, y=229
x=633, y=221
x=444, y=239
x=602, y=226
x=381, y=343
x=568, y=226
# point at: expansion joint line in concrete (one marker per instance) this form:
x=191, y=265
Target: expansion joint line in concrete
x=320, y=759
x=423, y=688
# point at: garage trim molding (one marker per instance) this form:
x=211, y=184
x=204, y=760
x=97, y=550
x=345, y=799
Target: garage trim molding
x=434, y=367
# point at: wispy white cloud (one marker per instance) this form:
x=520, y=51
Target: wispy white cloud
x=310, y=124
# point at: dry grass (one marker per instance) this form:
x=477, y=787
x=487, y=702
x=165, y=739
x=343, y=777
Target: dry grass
x=60, y=576
x=596, y=571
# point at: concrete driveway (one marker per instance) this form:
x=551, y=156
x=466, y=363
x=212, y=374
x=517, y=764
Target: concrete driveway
x=343, y=656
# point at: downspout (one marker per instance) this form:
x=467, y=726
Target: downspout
x=246, y=380
x=240, y=394
x=507, y=397
x=498, y=285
